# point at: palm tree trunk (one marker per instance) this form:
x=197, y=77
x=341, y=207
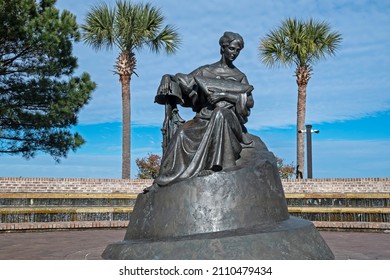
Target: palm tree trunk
x=303, y=76
x=301, y=113
x=126, y=118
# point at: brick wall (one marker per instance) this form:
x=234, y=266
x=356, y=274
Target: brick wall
x=107, y=186
x=340, y=185
x=55, y=185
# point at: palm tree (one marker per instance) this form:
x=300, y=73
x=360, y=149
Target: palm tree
x=301, y=44
x=128, y=27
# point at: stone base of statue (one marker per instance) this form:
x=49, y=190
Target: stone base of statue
x=233, y=214
x=292, y=239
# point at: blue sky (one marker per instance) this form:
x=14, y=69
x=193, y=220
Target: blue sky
x=348, y=94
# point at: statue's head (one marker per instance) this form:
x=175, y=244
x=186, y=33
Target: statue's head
x=229, y=37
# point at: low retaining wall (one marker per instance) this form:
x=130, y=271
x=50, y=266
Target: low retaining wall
x=359, y=200
x=71, y=185
x=337, y=185
x=54, y=185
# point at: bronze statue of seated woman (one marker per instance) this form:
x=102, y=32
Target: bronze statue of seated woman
x=218, y=195
x=213, y=140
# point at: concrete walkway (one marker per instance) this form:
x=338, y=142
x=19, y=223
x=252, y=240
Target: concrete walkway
x=89, y=244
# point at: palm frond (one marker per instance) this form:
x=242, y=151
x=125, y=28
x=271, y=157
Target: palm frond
x=321, y=41
x=168, y=39
x=298, y=42
x=129, y=26
x=141, y=25
x=98, y=30
x=125, y=24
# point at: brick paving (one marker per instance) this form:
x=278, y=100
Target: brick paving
x=89, y=244
x=57, y=245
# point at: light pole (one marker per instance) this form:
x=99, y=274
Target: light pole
x=308, y=132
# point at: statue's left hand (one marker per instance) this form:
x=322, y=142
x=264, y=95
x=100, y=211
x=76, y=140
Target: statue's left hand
x=215, y=97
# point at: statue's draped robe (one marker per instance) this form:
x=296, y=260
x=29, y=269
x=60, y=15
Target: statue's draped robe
x=213, y=139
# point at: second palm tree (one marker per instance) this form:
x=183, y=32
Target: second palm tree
x=299, y=43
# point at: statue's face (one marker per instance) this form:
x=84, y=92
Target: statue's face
x=232, y=51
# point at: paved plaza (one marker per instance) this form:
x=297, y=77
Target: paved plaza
x=89, y=244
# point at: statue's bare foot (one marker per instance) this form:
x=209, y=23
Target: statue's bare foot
x=205, y=173
x=153, y=188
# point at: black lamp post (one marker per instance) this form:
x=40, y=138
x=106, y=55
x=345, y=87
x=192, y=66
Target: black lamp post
x=308, y=132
